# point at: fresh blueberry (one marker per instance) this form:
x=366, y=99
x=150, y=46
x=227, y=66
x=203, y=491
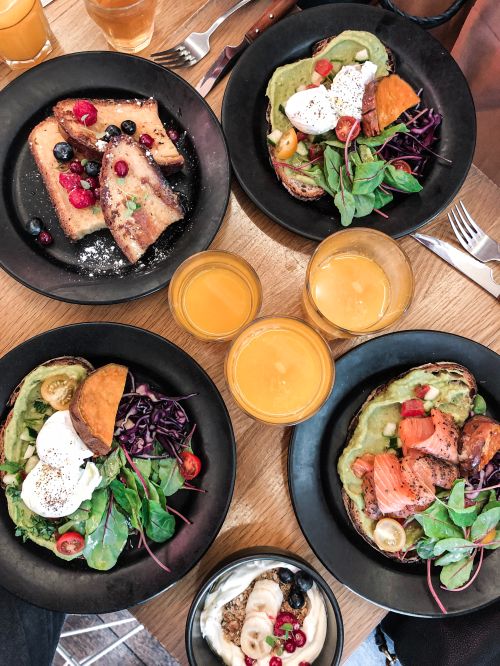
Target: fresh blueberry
x=129, y=127
x=34, y=225
x=296, y=599
x=92, y=168
x=63, y=152
x=303, y=581
x=113, y=130
x=285, y=575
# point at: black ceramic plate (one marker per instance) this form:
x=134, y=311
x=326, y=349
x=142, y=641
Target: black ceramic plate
x=94, y=270
x=420, y=60
x=35, y=573
x=315, y=485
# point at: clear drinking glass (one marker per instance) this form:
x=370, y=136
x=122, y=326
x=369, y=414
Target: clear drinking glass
x=128, y=25
x=25, y=36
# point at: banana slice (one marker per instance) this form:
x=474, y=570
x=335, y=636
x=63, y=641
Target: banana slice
x=253, y=635
x=266, y=597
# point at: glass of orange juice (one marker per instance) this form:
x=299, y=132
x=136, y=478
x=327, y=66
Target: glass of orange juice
x=358, y=281
x=280, y=370
x=127, y=24
x=25, y=37
x=214, y=294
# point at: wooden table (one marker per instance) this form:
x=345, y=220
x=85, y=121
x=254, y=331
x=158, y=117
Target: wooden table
x=261, y=512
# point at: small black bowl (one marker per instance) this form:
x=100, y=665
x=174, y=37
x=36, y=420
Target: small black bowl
x=197, y=648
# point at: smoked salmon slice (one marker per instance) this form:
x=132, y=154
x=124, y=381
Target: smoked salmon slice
x=392, y=492
x=362, y=465
x=436, y=434
x=371, y=506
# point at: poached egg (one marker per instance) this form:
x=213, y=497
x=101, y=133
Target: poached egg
x=317, y=110
x=57, y=485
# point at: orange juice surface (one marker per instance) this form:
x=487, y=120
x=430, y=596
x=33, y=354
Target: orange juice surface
x=214, y=294
x=350, y=290
x=279, y=370
x=23, y=29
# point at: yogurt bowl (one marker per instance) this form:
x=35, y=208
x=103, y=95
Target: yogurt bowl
x=266, y=607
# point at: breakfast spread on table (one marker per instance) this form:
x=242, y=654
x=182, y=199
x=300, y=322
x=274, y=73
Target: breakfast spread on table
x=90, y=459
x=265, y=613
x=101, y=163
x=340, y=124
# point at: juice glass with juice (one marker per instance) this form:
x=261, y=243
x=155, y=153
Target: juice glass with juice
x=280, y=370
x=25, y=37
x=127, y=24
x=214, y=294
x=358, y=281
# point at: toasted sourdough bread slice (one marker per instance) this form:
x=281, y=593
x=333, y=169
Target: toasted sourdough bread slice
x=75, y=222
x=296, y=187
x=144, y=113
x=354, y=513
x=139, y=207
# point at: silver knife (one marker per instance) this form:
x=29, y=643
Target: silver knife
x=230, y=54
x=473, y=269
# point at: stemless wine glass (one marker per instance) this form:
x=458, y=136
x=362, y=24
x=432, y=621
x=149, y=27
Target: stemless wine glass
x=128, y=25
x=358, y=281
x=25, y=36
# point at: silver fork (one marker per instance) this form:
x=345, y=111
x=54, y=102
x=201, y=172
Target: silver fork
x=471, y=237
x=195, y=46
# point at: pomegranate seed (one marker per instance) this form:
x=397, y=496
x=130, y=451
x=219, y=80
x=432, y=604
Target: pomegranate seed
x=146, y=140
x=44, y=238
x=173, y=135
x=85, y=112
x=249, y=661
x=80, y=198
x=299, y=638
x=281, y=619
x=121, y=168
x=69, y=181
x=93, y=182
x=304, y=663
x=76, y=167
x=290, y=646
x=275, y=661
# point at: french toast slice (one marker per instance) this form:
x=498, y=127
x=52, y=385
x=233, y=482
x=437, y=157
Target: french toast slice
x=75, y=222
x=140, y=206
x=144, y=113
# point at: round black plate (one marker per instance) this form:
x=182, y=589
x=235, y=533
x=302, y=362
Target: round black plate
x=315, y=485
x=94, y=270
x=420, y=60
x=35, y=573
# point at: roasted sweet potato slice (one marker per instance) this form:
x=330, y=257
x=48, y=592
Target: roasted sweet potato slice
x=393, y=96
x=94, y=406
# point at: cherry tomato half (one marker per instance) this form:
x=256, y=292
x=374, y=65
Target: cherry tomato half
x=420, y=391
x=389, y=535
x=344, y=126
x=191, y=465
x=413, y=407
x=401, y=165
x=323, y=67
x=70, y=543
x=287, y=145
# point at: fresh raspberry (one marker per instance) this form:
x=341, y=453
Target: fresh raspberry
x=146, y=140
x=121, y=168
x=76, y=167
x=93, y=182
x=85, y=112
x=281, y=619
x=69, y=181
x=290, y=646
x=275, y=661
x=80, y=198
x=299, y=638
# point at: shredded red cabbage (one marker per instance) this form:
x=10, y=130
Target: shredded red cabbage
x=418, y=142
x=145, y=416
x=489, y=476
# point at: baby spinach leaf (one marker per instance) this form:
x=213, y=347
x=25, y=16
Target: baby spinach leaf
x=72, y=526
x=437, y=523
x=83, y=511
x=491, y=505
x=368, y=176
x=158, y=523
x=109, y=468
x=104, y=545
x=171, y=479
x=485, y=522
x=382, y=198
x=463, y=518
x=129, y=477
x=129, y=501
x=457, y=573
x=98, y=505
x=366, y=154
x=453, y=556
x=425, y=548
x=332, y=168
x=460, y=514
x=451, y=544
x=383, y=136
x=144, y=466
x=334, y=142
x=364, y=204
x=401, y=180
x=344, y=201
x=316, y=173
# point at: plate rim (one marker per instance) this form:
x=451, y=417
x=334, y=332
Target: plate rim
x=294, y=498
x=46, y=64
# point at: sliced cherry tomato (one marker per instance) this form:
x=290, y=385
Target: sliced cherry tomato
x=323, y=67
x=70, y=543
x=413, y=407
x=58, y=391
x=191, y=465
x=389, y=535
x=420, y=390
x=401, y=165
x=287, y=145
x=344, y=126
x=312, y=85
x=302, y=136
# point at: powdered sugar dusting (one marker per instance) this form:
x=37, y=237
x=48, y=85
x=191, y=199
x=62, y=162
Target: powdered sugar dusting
x=100, y=257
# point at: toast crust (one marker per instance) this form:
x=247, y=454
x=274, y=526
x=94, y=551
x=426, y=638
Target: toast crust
x=75, y=222
x=144, y=112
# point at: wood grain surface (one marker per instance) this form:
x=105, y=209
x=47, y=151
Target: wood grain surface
x=261, y=511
